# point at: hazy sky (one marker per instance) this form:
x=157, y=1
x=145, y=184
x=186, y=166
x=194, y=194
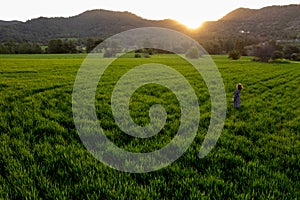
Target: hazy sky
x=189, y=12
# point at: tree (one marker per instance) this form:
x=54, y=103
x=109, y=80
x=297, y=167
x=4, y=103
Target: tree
x=11, y=46
x=4, y=49
x=28, y=48
x=228, y=45
x=91, y=44
x=137, y=55
x=55, y=46
x=20, y=48
x=59, y=46
x=215, y=48
x=277, y=55
x=69, y=47
x=193, y=53
x=289, y=50
x=264, y=52
x=109, y=53
x=295, y=57
x=234, y=55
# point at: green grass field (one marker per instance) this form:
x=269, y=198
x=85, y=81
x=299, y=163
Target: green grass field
x=42, y=157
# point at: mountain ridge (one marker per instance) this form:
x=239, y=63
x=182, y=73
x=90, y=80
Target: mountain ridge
x=269, y=13
x=94, y=23
x=3, y=22
x=272, y=22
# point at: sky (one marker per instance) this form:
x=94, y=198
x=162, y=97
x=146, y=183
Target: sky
x=192, y=13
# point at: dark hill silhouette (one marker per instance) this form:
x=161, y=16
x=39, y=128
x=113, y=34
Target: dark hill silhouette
x=5, y=23
x=267, y=14
x=274, y=22
x=94, y=23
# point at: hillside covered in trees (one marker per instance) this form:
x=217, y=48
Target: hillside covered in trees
x=94, y=23
x=239, y=30
x=274, y=22
x=243, y=28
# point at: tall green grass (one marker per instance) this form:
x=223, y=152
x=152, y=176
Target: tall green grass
x=42, y=157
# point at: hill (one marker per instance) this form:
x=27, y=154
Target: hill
x=5, y=23
x=274, y=22
x=94, y=23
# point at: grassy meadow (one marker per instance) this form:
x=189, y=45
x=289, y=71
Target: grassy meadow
x=42, y=157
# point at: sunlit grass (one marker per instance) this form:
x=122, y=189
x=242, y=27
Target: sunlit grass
x=41, y=155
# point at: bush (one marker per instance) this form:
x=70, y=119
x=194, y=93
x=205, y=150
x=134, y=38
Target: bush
x=192, y=53
x=109, y=54
x=137, y=55
x=290, y=50
x=234, y=55
x=4, y=49
x=295, y=57
x=145, y=50
x=61, y=46
x=255, y=59
x=264, y=52
x=20, y=48
x=277, y=55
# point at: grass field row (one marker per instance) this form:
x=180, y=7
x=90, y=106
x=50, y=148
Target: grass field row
x=42, y=157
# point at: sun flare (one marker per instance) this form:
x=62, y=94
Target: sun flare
x=192, y=23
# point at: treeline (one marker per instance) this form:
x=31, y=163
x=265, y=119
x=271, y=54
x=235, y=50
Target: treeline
x=225, y=45
x=263, y=51
x=235, y=47
x=60, y=46
x=55, y=46
x=11, y=47
x=270, y=51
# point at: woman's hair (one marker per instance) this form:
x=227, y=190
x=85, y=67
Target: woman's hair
x=239, y=86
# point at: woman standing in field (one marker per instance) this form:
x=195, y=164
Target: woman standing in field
x=236, y=95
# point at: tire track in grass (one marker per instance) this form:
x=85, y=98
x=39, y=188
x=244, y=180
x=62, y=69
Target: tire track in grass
x=32, y=92
x=19, y=72
x=279, y=80
x=41, y=90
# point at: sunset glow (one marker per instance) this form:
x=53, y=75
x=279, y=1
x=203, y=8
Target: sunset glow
x=192, y=13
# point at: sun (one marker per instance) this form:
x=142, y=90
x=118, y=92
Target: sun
x=192, y=24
